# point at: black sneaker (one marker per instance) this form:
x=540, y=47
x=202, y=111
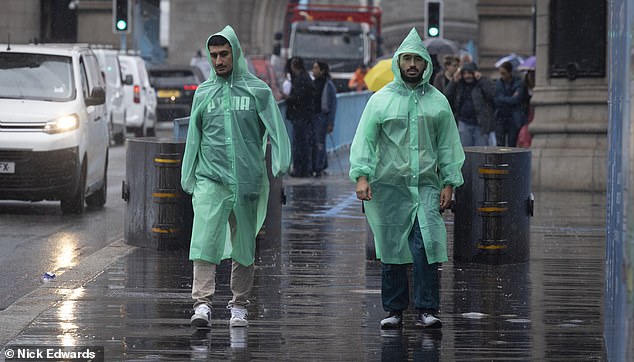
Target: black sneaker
x=428, y=320
x=394, y=320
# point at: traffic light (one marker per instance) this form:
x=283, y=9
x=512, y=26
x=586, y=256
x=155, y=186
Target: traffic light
x=433, y=28
x=121, y=16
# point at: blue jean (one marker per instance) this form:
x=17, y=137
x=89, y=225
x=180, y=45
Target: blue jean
x=472, y=135
x=394, y=282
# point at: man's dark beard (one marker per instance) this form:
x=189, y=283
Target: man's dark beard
x=413, y=80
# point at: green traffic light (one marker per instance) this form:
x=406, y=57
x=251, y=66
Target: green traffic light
x=433, y=31
x=122, y=25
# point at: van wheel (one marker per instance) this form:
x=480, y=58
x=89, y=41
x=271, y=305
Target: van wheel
x=138, y=132
x=74, y=204
x=98, y=198
x=110, y=131
x=151, y=132
x=119, y=138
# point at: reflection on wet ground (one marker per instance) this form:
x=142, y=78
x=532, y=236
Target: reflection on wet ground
x=317, y=298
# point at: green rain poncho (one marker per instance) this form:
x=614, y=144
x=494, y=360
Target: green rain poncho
x=407, y=145
x=223, y=164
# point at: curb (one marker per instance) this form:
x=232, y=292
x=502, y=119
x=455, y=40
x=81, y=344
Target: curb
x=20, y=314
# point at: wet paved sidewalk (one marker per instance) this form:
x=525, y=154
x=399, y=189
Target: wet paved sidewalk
x=316, y=298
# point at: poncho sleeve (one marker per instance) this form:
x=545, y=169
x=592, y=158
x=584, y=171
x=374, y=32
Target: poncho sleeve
x=269, y=113
x=363, y=149
x=192, y=145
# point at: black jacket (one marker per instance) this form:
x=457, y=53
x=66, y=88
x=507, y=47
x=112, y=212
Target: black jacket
x=483, y=96
x=299, y=104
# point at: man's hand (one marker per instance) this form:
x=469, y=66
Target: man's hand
x=363, y=190
x=445, y=197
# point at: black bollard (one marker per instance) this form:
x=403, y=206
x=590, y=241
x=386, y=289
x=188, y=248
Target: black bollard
x=494, y=206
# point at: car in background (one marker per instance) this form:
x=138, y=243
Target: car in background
x=262, y=68
x=53, y=128
x=139, y=97
x=175, y=86
x=109, y=63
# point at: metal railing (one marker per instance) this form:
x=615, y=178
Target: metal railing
x=349, y=109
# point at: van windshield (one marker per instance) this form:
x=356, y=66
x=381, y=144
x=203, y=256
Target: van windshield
x=36, y=76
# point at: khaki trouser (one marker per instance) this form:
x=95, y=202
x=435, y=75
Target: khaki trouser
x=204, y=283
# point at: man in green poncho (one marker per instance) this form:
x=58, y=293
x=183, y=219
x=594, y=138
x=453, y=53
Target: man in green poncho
x=406, y=158
x=233, y=115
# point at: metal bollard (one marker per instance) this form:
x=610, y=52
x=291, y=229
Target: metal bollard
x=494, y=206
x=158, y=213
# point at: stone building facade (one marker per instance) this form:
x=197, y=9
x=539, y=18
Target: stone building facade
x=570, y=127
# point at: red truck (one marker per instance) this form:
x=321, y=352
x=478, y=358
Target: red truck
x=344, y=36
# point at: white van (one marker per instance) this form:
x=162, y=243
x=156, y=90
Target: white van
x=53, y=128
x=109, y=63
x=139, y=96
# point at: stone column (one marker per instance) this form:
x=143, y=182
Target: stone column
x=505, y=27
x=569, y=148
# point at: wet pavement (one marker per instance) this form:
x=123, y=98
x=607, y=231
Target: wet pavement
x=317, y=298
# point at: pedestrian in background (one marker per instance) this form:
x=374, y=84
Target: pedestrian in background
x=471, y=97
x=325, y=106
x=356, y=83
x=450, y=66
x=406, y=159
x=524, y=137
x=286, y=84
x=509, y=117
x=224, y=170
x=202, y=63
x=299, y=111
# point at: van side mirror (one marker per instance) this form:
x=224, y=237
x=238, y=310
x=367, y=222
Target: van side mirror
x=97, y=97
x=128, y=79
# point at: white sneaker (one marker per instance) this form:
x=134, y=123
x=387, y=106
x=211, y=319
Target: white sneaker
x=393, y=321
x=201, y=317
x=238, y=317
x=428, y=320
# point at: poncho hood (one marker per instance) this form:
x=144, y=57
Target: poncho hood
x=412, y=44
x=239, y=61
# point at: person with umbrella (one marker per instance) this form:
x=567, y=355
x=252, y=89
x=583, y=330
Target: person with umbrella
x=524, y=137
x=406, y=159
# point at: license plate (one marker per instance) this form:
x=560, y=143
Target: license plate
x=169, y=93
x=7, y=167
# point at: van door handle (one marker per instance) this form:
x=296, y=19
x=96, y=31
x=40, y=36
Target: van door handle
x=97, y=119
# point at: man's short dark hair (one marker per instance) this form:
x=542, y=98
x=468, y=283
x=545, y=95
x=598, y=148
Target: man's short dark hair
x=217, y=40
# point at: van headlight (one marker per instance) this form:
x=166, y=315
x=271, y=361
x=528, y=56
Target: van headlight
x=62, y=124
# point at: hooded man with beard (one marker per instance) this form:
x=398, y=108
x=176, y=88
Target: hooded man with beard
x=406, y=159
x=233, y=115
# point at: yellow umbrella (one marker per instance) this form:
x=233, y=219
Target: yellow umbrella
x=379, y=75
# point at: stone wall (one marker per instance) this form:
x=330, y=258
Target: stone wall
x=570, y=126
x=505, y=27
x=20, y=19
